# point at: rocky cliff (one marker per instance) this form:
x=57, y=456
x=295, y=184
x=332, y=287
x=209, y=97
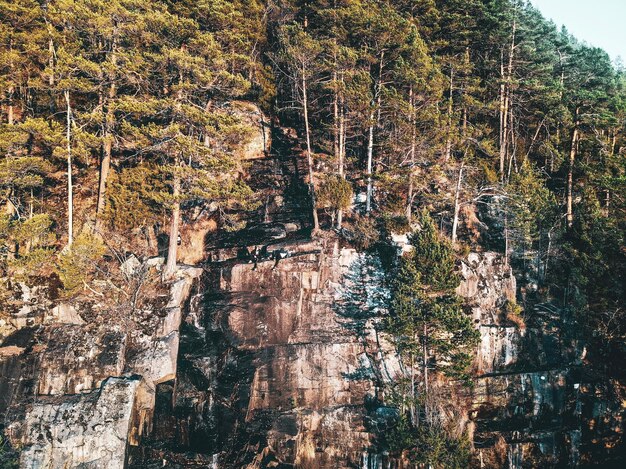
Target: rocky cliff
x=281, y=363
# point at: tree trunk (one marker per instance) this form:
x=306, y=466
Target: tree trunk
x=370, y=155
x=10, y=111
x=414, y=419
x=309, y=154
x=51, y=54
x=70, y=189
x=336, y=119
x=425, y=368
x=409, y=202
x=342, y=151
x=105, y=164
x=370, y=140
x=512, y=141
x=457, y=205
x=505, y=101
x=450, y=110
x=503, y=118
x=570, y=173
x=172, y=250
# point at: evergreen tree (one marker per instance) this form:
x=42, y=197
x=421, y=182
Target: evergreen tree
x=426, y=316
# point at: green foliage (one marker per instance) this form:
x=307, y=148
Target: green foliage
x=76, y=265
x=591, y=273
x=436, y=448
x=426, y=316
x=132, y=197
x=34, y=231
x=436, y=256
x=364, y=233
x=9, y=458
x=334, y=192
x=532, y=209
x=27, y=245
x=397, y=224
x=512, y=308
x=427, y=445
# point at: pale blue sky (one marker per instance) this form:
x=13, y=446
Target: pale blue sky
x=601, y=23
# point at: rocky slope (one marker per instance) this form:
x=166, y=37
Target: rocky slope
x=283, y=364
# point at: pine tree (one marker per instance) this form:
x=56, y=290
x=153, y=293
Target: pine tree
x=299, y=54
x=426, y=316
x=178, y=124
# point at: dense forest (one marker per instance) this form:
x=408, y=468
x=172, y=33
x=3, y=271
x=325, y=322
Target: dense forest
x=121, y=121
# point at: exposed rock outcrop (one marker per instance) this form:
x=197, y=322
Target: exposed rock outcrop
x=283, y=363
x=77, y=394
x=275, y=364
x=87, y=431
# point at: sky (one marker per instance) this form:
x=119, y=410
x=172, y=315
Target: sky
x=600, y=23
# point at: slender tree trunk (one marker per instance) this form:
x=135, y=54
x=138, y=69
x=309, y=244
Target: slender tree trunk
x=374, y=121
x=534, y=140
x=505, y=101
x=409, y=202
x=548, y=253
x=172, y=250
x=457, y=205
x=51, y=54
x=504, y=148
x=570, y=173
x=105, y=164
x=336, y=118
x=414, y=419
x=465, y=119
x=10, y=111
x=503, y=119
x=11, y=90
x=425, y=369
x=379, y=88
x=370, y=156
x=513, y=142
x=450, y=110
x=613, y=142
x=309, y=154
x=342, y=149
x=337, y=134
x=70, y=189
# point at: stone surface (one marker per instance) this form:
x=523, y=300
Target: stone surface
x=260, y=139
x=487, y=284
x=285, y=365
x=66, y=390
x=76, y=359
x=64, y=313
x=27, y=308
x=89, y=431
x=291, y=349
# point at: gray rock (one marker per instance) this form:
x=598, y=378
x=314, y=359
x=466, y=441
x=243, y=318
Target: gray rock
x=87, y=432
x=131, y=266
x=64, y=313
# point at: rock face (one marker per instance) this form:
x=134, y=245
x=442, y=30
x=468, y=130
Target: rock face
x=87, y=431
x=279, y=364
x=282, y=364
x=77, y=394
x=534, y=403
x=487, y=286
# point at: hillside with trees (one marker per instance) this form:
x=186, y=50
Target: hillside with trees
x=468, y=126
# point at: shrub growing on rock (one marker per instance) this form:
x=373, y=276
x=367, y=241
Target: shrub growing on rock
x=76, y=265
